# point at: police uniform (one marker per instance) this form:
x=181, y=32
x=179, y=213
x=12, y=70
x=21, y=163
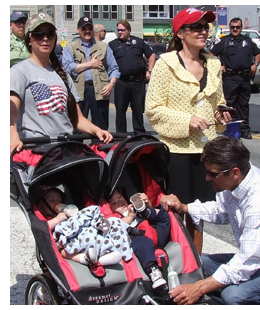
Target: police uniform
x=131, y=85
x=236, y=54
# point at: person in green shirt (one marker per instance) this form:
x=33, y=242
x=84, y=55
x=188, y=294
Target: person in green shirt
x=18, y=50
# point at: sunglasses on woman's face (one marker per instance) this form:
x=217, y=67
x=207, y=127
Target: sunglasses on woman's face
x=39, y=35
x=196, y=27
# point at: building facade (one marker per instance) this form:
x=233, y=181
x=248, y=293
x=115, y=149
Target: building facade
x=145, y=20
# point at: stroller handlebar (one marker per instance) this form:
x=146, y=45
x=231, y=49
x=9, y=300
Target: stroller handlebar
x=67, y=137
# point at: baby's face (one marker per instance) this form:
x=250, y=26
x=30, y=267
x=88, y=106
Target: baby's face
x=52, y=198
x=118, y=203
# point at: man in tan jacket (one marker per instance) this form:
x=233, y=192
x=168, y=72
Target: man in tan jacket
x=94, y=70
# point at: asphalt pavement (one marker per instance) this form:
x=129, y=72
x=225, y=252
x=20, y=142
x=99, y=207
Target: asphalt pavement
x=23, y=264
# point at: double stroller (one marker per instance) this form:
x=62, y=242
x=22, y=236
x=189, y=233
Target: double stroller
x=86, y=172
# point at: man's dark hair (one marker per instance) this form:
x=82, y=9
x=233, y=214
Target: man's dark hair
x=235, y=20
x=227, y=153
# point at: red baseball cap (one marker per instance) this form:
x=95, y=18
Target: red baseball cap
x=189, y=16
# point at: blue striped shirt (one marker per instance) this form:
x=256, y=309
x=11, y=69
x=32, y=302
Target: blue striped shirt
x=240, y=208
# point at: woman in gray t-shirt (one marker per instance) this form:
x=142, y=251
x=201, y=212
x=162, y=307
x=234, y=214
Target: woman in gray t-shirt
x=42, y=95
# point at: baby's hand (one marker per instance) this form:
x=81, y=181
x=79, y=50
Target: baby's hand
x=131, y=211
x=61, y=217
x=145, y=198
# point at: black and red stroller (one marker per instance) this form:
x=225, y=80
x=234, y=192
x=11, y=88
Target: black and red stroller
x=135, y=164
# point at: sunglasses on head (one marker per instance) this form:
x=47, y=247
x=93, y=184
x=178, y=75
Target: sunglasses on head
x=20, y=21
x=196, y=27
x=39, y=35
x=122, y=30
x=215, y=174
x=89, y=28
x=235, y=27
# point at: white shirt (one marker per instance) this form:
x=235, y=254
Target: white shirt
x=240, y=208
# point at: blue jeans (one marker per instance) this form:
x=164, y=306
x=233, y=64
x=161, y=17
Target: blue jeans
x=245, y=293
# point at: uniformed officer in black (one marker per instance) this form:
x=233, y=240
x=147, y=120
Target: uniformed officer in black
x=129, y=53
x=236, y=53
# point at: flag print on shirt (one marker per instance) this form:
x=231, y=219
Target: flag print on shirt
x=48, y=98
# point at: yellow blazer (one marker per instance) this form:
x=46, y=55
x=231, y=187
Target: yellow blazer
x=174, y=96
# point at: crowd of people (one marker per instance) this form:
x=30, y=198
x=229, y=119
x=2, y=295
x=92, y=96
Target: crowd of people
x=49, y=96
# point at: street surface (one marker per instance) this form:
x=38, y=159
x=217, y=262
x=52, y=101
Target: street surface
x=23, y=264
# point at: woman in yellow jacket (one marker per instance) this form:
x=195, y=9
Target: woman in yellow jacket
x=182, y=104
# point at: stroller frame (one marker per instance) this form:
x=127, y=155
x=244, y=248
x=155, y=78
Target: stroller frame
x=44, y=168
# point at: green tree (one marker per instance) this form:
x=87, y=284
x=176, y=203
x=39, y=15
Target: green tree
x=164, y=35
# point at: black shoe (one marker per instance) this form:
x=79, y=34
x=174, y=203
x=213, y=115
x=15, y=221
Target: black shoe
x=245, y=135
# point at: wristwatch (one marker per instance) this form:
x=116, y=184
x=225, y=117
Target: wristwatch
x=114, y=84
x=150, y=71
x=256, y=63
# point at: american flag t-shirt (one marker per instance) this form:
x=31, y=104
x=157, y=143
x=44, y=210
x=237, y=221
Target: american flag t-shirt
x=49, y=98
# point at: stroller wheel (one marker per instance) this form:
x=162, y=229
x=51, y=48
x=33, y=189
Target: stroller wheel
x=41, y=290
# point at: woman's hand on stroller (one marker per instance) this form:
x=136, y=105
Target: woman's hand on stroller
x=15, y=144
x=104, y=135
x=172, y=201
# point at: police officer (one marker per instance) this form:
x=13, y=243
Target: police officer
x=128, y=51
x=236, y=53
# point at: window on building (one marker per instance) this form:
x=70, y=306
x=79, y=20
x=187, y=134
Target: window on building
x=114, y=12
x=87, y=11
x=69, y=13
x=91, y=11
x=129, y=12
x=155, y=11
x=106, y=12
x=95, y=12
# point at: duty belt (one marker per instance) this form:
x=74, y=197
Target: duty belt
x=133, y=78
x=236, y=72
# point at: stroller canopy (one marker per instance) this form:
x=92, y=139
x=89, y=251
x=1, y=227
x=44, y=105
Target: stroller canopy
x=146, y=150
x=72, y=164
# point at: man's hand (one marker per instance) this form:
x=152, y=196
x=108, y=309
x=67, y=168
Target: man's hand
x=186, y=294
x=171, y=200
x=106, y=91
x=223, y=69
x=253, y=70
x=95, y=63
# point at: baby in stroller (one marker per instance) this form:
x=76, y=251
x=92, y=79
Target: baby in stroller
x=141, y=219
x=78, y=238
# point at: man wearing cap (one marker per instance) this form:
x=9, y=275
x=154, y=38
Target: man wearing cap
x=129, y=52
x=18, y=50
x=94, y=70
x=236, y=53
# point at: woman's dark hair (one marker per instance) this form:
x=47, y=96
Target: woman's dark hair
x=227, y=153
x=56, y=65
x=175, y=44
